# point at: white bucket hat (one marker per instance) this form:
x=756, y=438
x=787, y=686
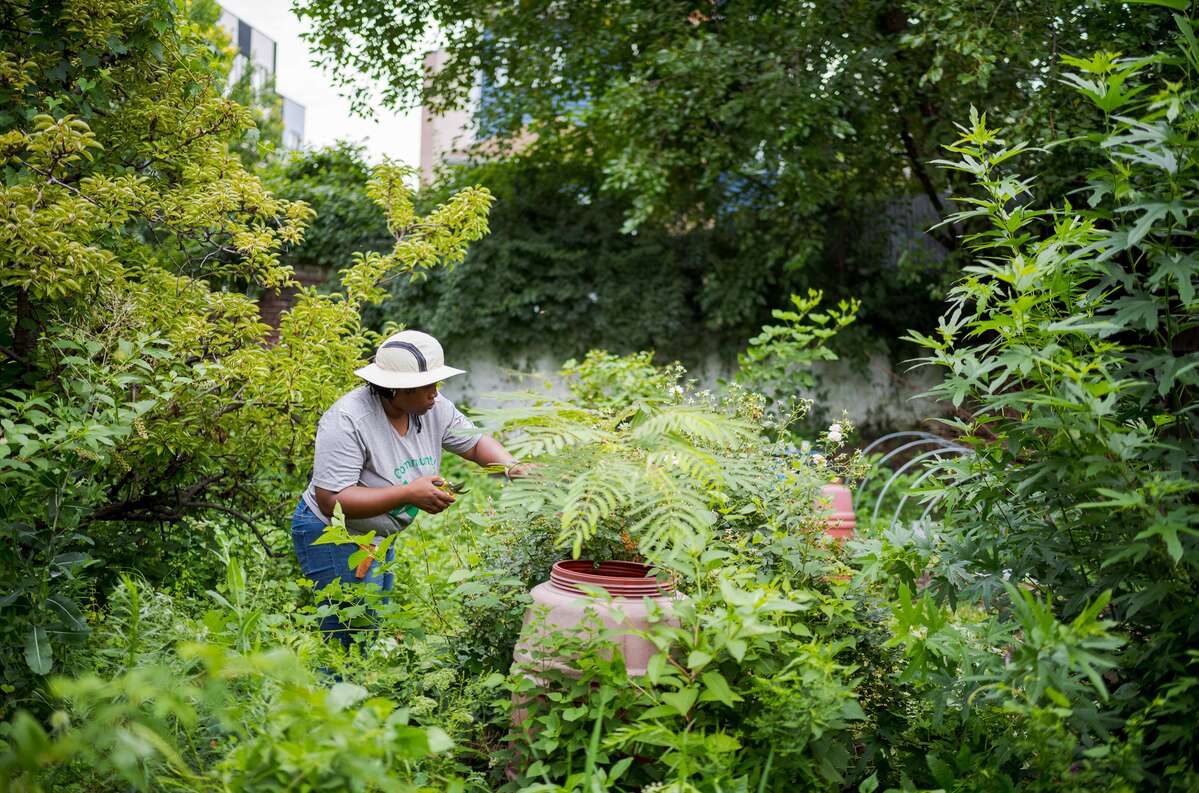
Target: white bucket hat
x=408, y=359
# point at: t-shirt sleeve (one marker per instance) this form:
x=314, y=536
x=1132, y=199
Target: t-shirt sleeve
x=459, y=434
x=340, y=453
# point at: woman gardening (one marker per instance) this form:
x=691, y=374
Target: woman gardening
x=378, y=455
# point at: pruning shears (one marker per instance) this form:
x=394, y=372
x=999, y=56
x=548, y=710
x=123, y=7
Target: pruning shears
x=456, y=488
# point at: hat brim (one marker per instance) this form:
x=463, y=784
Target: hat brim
x=373, y=373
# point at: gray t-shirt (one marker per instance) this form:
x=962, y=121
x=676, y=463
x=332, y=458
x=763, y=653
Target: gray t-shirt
x=357, y=445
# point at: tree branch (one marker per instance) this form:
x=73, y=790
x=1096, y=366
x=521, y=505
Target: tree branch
x=12, y=355
x=243, y=517
x=949, y=240
x=155, y=509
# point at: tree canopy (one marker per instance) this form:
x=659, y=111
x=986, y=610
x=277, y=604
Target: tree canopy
x=801, y=130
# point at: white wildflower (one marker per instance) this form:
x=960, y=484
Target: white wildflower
x=834, y=433
x=817, y=459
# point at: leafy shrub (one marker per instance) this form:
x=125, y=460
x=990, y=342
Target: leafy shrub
x=331, y=180
x=140, y=387
x=213, y=704
x=781, y=356
x=1037, y=637
x=1073, y=347
x=604, y=381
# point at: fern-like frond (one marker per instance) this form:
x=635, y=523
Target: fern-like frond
x=744, y=474
x=544, y=429
x=696, y=424
x=593, y=496
x=657, y=473
x=534, y=441
x=530, y=406
x=701, y=465
x=669, y=510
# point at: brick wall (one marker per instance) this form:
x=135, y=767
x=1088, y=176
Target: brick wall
x=274, y=302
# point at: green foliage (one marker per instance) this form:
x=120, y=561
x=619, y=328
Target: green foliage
x=333, y=182
x=781, y=356
x=774, y=672
x=702, y=718
x=604, y=381
x=690, y=484
x=140, y=390
x=220, y=714
x=775, y=675
x=1074, y=351
x=789, y=143
x=555, y=276
x=1038, y=636
x=649, y=472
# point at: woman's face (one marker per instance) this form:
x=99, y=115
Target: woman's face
x=416, y=401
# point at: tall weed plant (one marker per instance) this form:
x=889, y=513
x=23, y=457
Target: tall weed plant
x=1074, y=340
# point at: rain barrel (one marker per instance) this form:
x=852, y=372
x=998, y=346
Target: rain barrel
x=840, y=520
x=565, y=601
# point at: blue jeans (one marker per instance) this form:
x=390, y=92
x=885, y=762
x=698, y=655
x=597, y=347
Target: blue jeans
x=324, y=564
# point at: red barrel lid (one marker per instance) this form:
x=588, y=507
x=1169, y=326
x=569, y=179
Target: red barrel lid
x=620, y=579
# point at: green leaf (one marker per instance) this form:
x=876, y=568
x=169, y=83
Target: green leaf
x=1181, y=269
x=344, y=695
x=941, y=771
x=69, y=559
x=414, y=743
x=655, y=668
x=1190, y=45
x=1166, y=527
x=698, y=659
x=658, y=712
x=70, y=613
x=1153, y=213
x=1058, y=697
x=681, y=701
x=38, y=653
x=1117, y=500
x=618, y=769
x=439, y=741
x=717, y=688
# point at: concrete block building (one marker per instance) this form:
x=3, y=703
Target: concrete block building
x=256, y=54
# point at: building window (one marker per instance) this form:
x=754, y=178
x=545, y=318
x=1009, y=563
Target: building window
x=245, y=34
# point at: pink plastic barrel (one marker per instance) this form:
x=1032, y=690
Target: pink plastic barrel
x=565, y=604
x=840, y=521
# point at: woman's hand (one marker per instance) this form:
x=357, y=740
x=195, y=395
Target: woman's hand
x=488, y=452
x=519, y=470
x=360, y=501
x=426, y=494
